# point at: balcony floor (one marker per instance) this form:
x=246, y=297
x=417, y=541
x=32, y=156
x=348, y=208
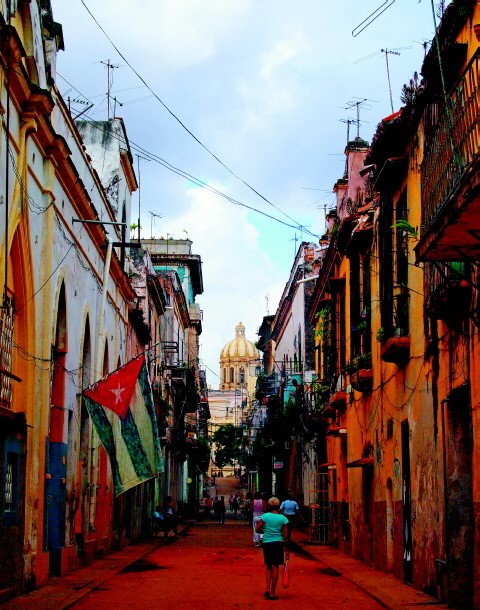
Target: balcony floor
x=455, y=232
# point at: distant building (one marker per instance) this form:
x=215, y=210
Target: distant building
x=239, y=361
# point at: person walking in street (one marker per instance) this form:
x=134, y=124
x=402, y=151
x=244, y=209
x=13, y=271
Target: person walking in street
x=221, y=510
x=275, y=550
x=258, y=508
x=230, y=502
x=235, y=506
x=291, y=510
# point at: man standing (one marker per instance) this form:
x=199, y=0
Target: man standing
x=291, y=510
x=235, y=506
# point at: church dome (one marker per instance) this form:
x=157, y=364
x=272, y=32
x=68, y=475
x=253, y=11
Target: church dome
x=240, y=347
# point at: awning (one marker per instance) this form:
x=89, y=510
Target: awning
x=361, y=463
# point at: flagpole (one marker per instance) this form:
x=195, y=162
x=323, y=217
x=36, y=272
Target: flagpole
x=98, y=368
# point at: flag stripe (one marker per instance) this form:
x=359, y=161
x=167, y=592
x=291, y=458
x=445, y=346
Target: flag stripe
x=105, y=433
x=146, y=389
x=136, y=451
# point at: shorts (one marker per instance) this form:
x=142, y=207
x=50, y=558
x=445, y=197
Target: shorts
x=273, y=553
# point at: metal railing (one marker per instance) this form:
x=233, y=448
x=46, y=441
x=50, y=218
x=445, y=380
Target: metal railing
x=453, y=145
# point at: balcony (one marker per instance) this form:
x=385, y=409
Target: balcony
x=338, y=401
x=449, y=292
x=450, y=181
x=362, y=381
x=396, y=350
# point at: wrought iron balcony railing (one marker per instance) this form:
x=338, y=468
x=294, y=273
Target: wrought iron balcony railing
x=453, y=145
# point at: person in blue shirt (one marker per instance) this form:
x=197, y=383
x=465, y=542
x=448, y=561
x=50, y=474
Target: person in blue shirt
x=291, y=510
x=274, y=547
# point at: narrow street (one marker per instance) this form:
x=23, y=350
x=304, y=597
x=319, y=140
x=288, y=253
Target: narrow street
x=217, y=566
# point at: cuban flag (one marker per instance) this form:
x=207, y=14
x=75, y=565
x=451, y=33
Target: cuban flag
x=123, y=413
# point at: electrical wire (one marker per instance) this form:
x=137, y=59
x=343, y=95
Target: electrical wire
x=197, y=181
x=156, y=96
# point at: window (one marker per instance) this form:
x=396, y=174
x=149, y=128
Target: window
x=9, y=486
x=10, y=482
x=6, y=337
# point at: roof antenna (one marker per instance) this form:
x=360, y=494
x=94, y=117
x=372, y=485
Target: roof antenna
x=386, y=52
x=371, y=18
x=357, y=104
x=109, y=82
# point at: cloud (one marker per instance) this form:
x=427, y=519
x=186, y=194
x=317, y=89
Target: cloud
x=237, y=273
x=275, y=88
x=174, y=34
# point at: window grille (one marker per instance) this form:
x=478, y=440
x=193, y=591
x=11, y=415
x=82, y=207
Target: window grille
x=9, y=486
x=6, y=337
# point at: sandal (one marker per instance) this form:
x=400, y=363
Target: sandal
x=266, y=595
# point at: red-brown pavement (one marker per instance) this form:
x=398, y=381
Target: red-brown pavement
x=210, y=565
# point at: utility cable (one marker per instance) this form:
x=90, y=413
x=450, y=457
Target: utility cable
x=183, y=124
x=197, y=181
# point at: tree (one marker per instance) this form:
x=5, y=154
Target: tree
x=230, y=445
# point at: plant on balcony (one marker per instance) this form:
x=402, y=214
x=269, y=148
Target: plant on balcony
x=404, y=225
x=361, y=327
x=361, y=361
x=323, y=330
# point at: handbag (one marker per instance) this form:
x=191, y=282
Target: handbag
x=286, y=574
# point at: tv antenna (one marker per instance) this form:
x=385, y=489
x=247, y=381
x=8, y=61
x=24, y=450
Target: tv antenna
x=152, y=216
x=357, y=104
x=371, y=18
x=425, y=44
x=349, y=122
x=386, y=52
x=81, y=102
x=110, y=68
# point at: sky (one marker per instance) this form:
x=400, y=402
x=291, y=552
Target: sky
x=249, y=98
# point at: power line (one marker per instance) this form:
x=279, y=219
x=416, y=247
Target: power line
x=197, y=181
x=180, y=122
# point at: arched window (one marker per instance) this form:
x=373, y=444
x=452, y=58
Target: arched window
x=241, y=375
x=232, y=375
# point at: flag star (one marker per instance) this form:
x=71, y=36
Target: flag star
x=118, y=391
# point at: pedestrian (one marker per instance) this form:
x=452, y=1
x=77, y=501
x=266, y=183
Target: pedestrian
x=230, y=502
x=169, y=517
x=235, y=506
x=258, y=508
x=291, y=510
x=157, y=520
x=275, y=550
x=221, y=510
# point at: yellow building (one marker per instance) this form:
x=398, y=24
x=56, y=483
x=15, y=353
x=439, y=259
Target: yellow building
x=239, y=363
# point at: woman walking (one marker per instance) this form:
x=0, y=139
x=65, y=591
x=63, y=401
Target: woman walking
x=221, y=510
x=258, y=508
x=274, y=546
